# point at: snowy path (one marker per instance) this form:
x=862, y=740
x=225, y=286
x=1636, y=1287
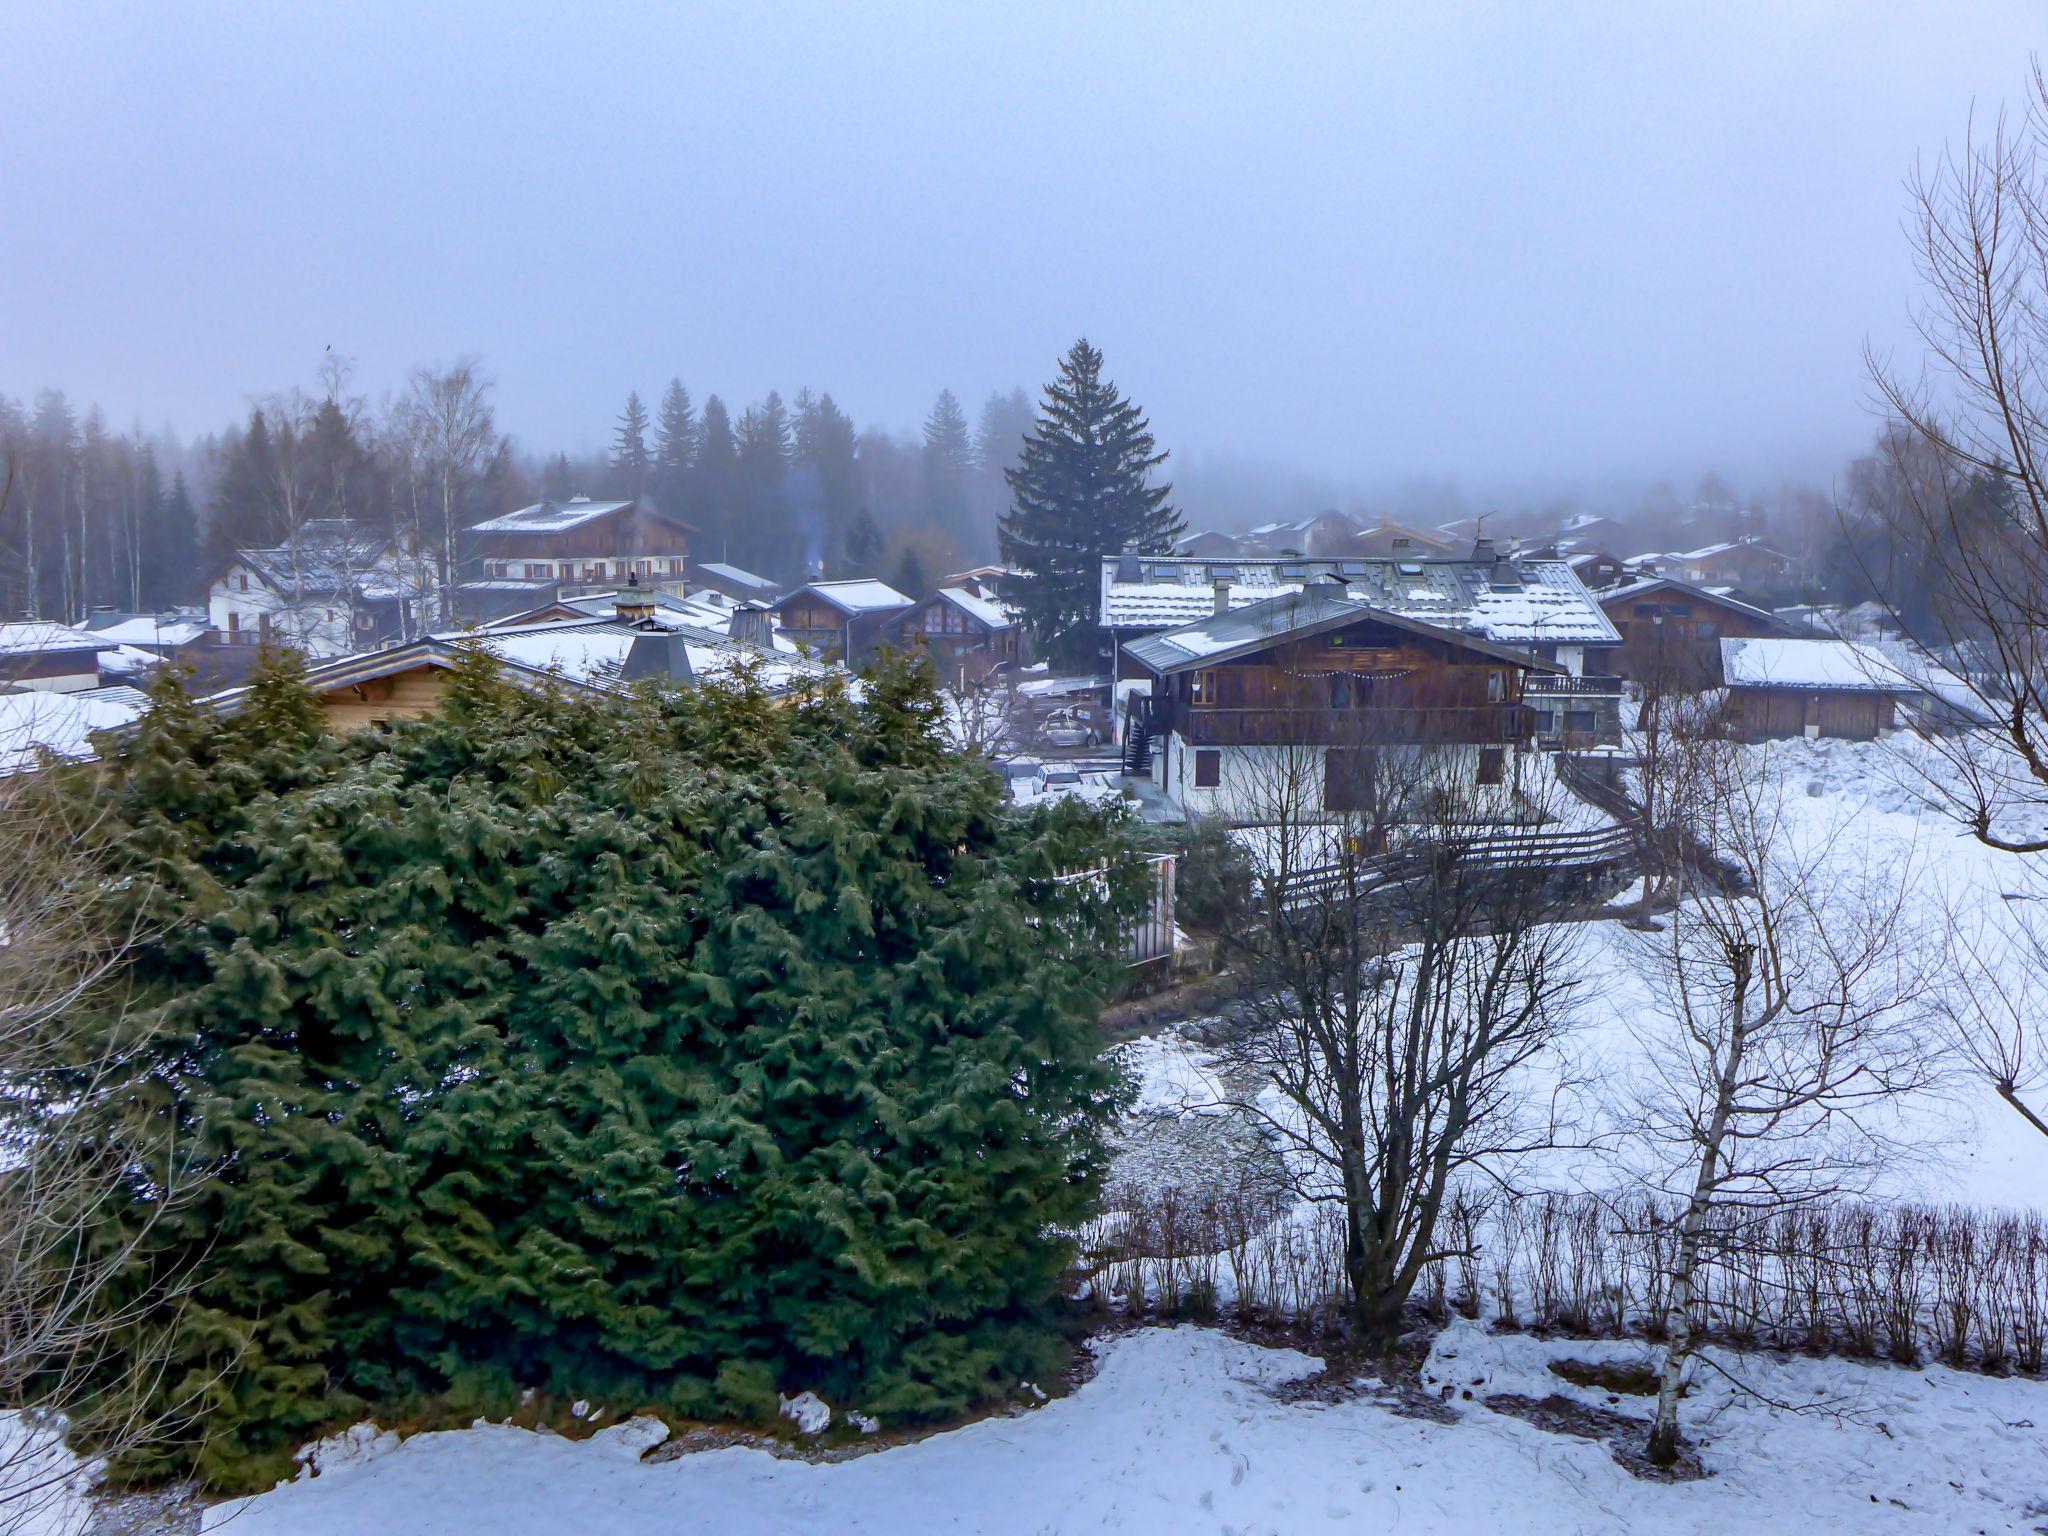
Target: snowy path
x=1178, y=1434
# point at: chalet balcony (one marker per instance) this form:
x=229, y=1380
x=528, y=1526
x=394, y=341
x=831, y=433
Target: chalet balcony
x=1369, y=725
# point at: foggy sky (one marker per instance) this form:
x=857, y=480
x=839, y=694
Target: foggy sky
x=1515, y=245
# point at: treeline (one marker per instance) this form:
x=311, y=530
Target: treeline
x=793, y=489
x=92, y=517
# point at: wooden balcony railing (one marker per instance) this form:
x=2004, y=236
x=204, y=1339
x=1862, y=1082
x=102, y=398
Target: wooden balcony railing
x=1370, y=725
x=1552, y=685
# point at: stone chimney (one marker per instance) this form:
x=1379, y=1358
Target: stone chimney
x=751, y=624
x=634, y=604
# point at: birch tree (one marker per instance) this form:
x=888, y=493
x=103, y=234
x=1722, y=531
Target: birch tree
x=1784, y=1005
x=456, y=431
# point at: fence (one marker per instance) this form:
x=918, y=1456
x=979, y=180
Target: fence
x=1149, y=936
x=1957, y=1284
x=1554, y=853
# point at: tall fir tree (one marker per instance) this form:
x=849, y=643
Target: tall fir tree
x=948, y=467
x=714, y=479
x=556, y=483
x=1081, y=490
x=630, y=457
x=910, y=578
x=675, y=449
x=762, y=538
x=861, y=553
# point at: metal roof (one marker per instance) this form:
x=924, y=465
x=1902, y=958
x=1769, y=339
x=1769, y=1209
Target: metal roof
x=550, y=516
x=1293, y=616
x=1508, y=602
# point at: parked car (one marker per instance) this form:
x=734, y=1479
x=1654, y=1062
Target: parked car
x=1067, y=727
x=1052, y=776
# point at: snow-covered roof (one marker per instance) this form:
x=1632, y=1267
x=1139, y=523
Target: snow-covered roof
x=32, y=637
x=1525, y=602
x=1321, y=606
x=737, y=576
x=595, y=651
x=146, y=631
x=990, y=612
x=61, y=723
x=860, y=595
x=1643, y=585
x=1836, y=665
x=550, y=516
x=1706, y=551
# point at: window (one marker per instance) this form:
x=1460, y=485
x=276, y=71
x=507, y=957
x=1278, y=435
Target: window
x=1496, y=686
x=1581, y=720
x=234, y=623
x=1546, y=721
x=1202, y=688
x=1490, y=761
x=1208, y=767
x=241, y=581
x=1646, y=610
x=934, y=620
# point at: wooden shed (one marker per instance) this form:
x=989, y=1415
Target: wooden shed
x=1812, y=687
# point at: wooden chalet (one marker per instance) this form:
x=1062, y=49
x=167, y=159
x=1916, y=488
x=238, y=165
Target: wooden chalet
x=968, y=634
x=843, y=620
x=1783, y=687
x=580, y=540
x=1323, y=671
x=1671, y=631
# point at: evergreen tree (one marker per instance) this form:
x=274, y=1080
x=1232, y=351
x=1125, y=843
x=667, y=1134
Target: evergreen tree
x=762, y=538
x=714, y=480
x=630, y=458
x=171, y=549
x=863, y=547
x=556, y=483
x=675, y=448
x=1081, y=491
x=948, y=467
x=673, y=1050
x=999, y=433
x=825, y=455
x=243, y=491
x=910, y=576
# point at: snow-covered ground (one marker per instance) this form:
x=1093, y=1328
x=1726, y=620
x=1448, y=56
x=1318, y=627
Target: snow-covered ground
x=1180, y=1431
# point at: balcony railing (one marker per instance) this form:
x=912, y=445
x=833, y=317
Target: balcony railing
x=1551, y=686
x=1370, y=725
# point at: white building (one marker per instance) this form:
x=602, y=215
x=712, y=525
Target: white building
x=333, y=590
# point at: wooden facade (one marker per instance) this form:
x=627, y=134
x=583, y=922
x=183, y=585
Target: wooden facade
x=406, y=695
x=1671, y=634
x=1366, y=684
x=1855, y=714
x=635, y=540
x=965, y=645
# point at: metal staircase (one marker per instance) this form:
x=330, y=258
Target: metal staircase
x=1138, y=736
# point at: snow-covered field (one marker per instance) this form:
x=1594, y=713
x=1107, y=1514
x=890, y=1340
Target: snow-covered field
x=1180, y=1431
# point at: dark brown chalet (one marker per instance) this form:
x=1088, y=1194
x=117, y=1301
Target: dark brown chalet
x=1325, y=672
x=1671, y=632
x=842, y=620
x=969, y=634
x=580, y=540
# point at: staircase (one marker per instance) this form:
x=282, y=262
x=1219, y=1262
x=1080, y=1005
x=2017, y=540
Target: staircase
x=1138, y=736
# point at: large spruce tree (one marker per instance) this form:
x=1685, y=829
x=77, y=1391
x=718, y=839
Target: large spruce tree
x=670, y=1051
x=1083, y=489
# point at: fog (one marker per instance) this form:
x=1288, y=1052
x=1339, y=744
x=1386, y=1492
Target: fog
x=1522, y=250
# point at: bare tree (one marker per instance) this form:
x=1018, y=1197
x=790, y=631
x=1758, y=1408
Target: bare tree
x=1403, y=975
x=79, y=1354
x=456, y=432
x=1780, y=1033
x=1963, y=509
x=1995, y=968
x=979, y=711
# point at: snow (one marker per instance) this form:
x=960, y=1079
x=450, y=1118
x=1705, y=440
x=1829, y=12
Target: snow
x=1180, y=1430
x=153, y=632
x=990, y=612
x=550, y=517
x=808, y=1412
x=44, y=1488
x=61, y=723
x=863, y=595
x=33, y=638
x=1836, y=664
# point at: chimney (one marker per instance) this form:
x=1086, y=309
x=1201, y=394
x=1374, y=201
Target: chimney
x=633, y=605
x=1221, y=587
x=750, y=624
x=1402, y=546
x=658, y=654
x=1482, y=549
